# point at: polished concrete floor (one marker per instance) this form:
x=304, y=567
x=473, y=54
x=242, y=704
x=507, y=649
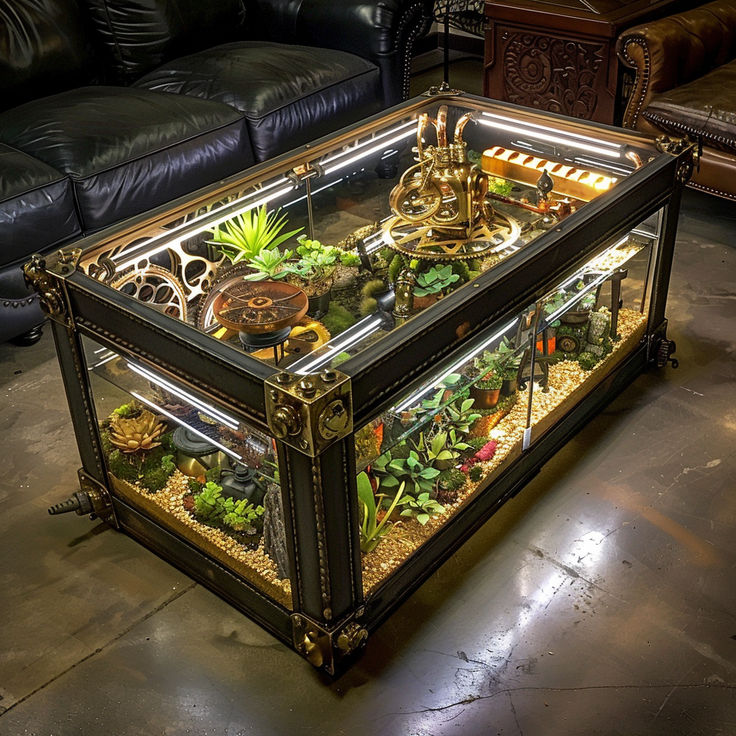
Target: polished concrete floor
x=601, y=601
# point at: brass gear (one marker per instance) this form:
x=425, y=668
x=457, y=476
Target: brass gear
x=436, y=243
x=155, y=286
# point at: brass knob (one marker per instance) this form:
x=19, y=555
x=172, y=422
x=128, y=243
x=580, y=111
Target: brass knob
x=285, y=422
x=333, y=420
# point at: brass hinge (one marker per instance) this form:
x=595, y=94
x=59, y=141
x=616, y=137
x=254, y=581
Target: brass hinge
x=678, y=146
x=309, y=413
x=44, y=276
x=324, y=647
x=442, y=89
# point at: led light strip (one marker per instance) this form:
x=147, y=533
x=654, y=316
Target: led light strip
x=381, y=146
x=402, y=127
x=180, y=393
x=146, y=251
x=438, y=380
x=372, y=323
x=604, y=148
x=168, y=415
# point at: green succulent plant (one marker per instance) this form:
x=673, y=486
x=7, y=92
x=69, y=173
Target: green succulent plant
x=422, y=508
x=206, y=502
x=417, y=475
x=434, y=281
x=244, y=236
x=317, y=261
x=269, y=264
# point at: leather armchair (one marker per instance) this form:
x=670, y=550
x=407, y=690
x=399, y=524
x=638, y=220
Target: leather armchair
x=685, y=85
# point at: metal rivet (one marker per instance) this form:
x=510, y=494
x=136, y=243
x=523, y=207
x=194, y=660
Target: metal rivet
x=283, y=378
x=329, y=376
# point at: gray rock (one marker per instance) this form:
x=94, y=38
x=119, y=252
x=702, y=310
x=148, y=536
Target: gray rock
x=274, y=531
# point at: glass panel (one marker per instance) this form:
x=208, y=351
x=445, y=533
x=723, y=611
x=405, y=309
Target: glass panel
x=316, y=261
x=434, y=449
x=192, y=466
x=588, y=324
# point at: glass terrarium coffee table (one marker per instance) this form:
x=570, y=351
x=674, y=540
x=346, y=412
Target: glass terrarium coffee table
x=308, y=384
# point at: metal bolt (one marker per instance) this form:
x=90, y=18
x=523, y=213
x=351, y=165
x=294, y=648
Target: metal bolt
x=273, y=394
x=283, y=378
x=329, y=376
x=307, y=388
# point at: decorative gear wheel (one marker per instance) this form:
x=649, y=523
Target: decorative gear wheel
x=433, y=243
x=155, y=286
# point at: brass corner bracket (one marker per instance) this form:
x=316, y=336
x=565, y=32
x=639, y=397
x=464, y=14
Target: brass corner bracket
x=323, y=647
x=678, y=146
x=44, y=277
x=309, y=413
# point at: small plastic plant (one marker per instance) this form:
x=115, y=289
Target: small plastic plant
x=243, y=237
x=435, y=281
x=269, y=264
x=422, y=508
x=317, y=262
x=372, y=530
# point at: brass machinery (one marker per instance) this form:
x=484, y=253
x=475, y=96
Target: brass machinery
x=440, y=205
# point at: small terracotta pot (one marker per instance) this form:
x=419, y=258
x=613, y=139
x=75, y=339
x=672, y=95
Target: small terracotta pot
x=485, y=398
x=422, y=302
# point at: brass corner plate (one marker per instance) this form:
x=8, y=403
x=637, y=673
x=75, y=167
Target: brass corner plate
x=323, y=648
x=311, y=412
x=43, y=274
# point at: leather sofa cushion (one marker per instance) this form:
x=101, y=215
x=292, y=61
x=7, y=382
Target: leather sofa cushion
x=140, y=35
x=36, y=206
x=705, y=107
x=289, y=94
x=43, y=49
x=128, y=150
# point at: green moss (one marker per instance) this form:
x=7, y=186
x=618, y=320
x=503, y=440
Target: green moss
x=155, y=479
x=373, y=287
x=462, y=270
x=337, y=319
x=368, y=305
x=587, y=361
x=475, y=444
x=401, y=451
x=451, y=479
x=476, y=473
x=121, y=466
x=213, y=474
x=394, y=268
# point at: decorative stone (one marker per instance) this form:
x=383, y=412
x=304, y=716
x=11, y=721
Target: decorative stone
x=599, y=326
x=274, y=531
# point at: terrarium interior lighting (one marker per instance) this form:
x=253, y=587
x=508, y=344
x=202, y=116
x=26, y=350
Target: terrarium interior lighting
x=435, y=383
x=551, y=135
x=185, y=395
x=312, y=193
x=403, y=129
x=349, y=337
x=148, y=249
x=173, y=418
x=342, y=163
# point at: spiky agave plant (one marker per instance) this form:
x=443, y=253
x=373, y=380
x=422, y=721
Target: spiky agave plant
x=245, y=236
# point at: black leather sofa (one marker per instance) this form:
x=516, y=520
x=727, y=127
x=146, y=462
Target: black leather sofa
x=112, y=107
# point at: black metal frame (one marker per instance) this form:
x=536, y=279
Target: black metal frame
x=319, y=493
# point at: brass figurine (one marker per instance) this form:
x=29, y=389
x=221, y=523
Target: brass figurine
x=440, y=205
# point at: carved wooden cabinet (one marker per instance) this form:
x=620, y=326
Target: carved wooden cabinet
x=561, y=56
